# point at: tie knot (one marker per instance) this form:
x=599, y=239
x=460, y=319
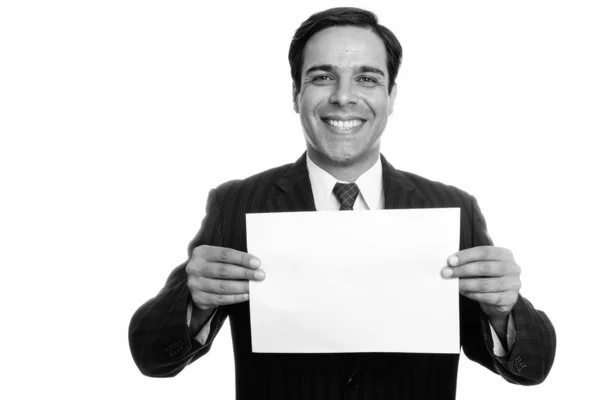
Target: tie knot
x=346, y=193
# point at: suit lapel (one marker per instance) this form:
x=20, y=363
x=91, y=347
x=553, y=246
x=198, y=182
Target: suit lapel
x=293, y=191
x=399, y=191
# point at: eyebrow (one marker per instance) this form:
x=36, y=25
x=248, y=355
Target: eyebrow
x=323, y=67
x=329, y=68
x=373, y=70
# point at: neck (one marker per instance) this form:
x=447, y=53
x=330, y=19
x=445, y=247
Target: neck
x=341, y=171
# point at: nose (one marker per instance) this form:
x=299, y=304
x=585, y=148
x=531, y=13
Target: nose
x=343, y=93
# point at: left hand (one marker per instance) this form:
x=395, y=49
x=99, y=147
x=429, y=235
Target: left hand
x=488, y=275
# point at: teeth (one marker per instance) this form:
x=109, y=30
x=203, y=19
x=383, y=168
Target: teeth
x=344, y=125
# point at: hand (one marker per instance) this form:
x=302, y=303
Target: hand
x=220, y=276
x=488, y=275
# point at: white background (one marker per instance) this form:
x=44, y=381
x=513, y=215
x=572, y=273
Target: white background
x=117, y=117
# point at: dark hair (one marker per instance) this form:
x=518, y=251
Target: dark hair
x=343, y=16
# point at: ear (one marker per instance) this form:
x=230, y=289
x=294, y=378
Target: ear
x=295, y=98
x=391, y=100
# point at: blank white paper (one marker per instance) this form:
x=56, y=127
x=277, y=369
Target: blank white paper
x=362, y=281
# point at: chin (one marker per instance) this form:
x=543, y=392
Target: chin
x=345, y=159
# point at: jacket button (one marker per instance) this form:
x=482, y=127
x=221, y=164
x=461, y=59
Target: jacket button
x=519, y=363
x=352, y=382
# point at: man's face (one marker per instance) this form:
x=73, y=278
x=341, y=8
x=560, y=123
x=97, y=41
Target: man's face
x=344, y=102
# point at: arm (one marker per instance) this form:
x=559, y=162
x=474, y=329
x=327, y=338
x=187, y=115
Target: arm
x=160, y=340
x=532, y=355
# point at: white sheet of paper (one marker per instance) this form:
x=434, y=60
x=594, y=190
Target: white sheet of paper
x=362, y=281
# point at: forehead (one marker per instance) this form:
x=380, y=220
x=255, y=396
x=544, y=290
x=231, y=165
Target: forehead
x=345, y=47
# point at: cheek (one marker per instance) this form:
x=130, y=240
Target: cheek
x=308, y=117
x=377, y=97
x=311, y=98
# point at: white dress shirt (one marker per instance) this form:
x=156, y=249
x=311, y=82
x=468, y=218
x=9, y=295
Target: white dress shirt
x=370, y=197
x=370, y=185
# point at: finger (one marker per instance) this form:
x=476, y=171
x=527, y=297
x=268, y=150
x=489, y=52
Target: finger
x=504, y=300
x=481, y=253
x=477, y=269
x=216, y=270
x=217, y=286
x=488, y=285
x=494, y=299
x=203, y=299
x=227, y=256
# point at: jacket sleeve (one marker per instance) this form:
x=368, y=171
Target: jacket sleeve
x=160, y=340
x=532, y=355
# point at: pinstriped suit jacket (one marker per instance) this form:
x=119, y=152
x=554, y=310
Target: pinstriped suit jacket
x=162, y=346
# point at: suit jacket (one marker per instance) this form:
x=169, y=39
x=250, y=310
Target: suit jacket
x=161, y=342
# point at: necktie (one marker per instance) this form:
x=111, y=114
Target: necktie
x=346, y=193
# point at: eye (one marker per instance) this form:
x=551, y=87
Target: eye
x=368, y=80
x=321, y=78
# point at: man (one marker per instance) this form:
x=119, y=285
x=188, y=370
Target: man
x=344, y=65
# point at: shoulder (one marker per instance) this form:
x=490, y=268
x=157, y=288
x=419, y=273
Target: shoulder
x=257, y=185
x=434, y=193
x=437, y=192
x=425, y=193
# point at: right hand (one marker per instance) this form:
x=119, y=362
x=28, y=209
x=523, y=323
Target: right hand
x=220, y=276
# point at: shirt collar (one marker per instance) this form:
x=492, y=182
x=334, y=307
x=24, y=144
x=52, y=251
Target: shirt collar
x=370, y=183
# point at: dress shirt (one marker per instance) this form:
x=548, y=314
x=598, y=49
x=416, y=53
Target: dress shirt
x=369, y=183
x=371, y=197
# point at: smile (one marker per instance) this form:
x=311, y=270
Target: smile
x=344, y=125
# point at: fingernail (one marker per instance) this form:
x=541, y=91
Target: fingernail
x=446, y=273
x=453, y=260
x=255, y=262
x=260, y=275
